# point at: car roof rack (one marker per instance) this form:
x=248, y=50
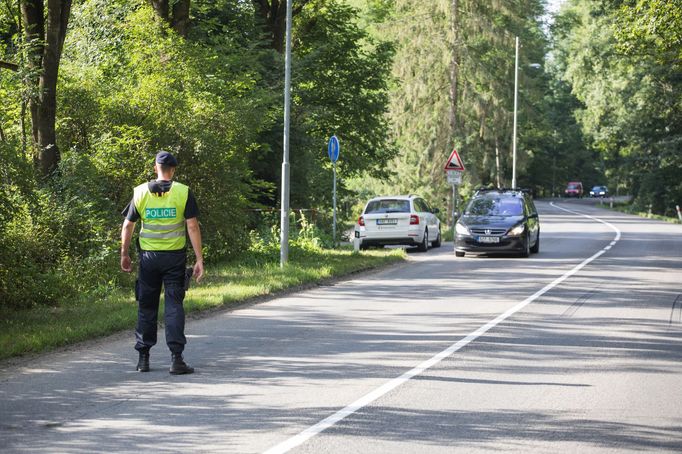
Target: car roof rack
x=523, y=190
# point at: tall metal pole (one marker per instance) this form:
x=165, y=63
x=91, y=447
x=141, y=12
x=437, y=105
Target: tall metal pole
x=334, y=215
x=284, y=217
x=516, y=100
x=454, y=213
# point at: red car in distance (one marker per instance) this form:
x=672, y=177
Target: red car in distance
x=574, y=189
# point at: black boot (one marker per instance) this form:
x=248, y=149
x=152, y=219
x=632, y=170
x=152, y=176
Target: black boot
x=178, y=365
x=143, y=362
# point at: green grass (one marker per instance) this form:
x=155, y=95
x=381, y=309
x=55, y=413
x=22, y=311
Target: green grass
x=627, y=208
x=446, y=233
x=44, y=328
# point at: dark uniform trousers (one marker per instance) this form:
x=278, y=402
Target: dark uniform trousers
x=168, y=269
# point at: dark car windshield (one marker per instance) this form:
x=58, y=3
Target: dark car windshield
x=573, y=186
x=495, y=206
x=388, y=206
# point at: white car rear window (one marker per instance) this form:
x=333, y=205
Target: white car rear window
x=388, y=206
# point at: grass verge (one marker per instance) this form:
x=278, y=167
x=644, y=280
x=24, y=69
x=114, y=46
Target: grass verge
x=43, y=328
x=628, y=209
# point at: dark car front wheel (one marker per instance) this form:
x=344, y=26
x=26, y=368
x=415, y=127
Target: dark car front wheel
x=526, y=247
x=536, y=247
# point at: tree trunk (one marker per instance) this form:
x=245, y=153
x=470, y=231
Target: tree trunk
x=44, y=54
x=180, y=19
x=161, y=8
x=34, y=32
x=9, y=65
x=454, y=66
x=22, y=121
x=274, y=16
x=177, y=16
x=22, y=115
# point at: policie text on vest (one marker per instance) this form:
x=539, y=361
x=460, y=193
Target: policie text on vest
x=160, y=213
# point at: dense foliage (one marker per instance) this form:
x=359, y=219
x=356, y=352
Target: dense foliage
x=133, y=81
x=623, y=61
x=454, y=82
x=599, y=96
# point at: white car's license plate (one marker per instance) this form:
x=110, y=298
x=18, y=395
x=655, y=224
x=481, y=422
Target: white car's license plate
x=488, y=239
x=387, y=221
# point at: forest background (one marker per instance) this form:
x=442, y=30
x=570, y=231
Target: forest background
x=90, y=90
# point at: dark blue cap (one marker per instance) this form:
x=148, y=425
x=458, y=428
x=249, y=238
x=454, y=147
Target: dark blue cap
x=167, y=159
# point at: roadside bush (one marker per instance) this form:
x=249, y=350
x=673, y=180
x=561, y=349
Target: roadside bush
x=659, y=191
x=27, y=247
x=29, y=252
x=58, y=240
x=304, y=236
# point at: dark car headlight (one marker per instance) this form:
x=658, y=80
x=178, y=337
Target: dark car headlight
x=461, y=229
x=518, y=230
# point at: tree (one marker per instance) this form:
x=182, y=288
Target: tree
x=622, y=61
x=273, y=13
x=341, y=87
x=454, y=87
x=44, y=38
x=340, y=81
x=175, y=13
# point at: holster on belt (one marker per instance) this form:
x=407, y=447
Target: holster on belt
x=189, y=272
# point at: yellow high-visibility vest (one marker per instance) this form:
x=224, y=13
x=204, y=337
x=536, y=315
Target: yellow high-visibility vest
x=163, y=217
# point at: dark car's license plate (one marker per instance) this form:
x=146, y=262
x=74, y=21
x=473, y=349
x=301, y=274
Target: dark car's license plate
x=387, y=221
x=488, y=239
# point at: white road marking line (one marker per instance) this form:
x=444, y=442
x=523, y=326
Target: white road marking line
x=615, y=229
x=367, y=399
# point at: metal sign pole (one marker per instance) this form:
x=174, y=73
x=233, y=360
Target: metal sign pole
x=334, y=215
x=456, y=203
x=516, y=102
x=333, y=150
x=454, y=212
x=454, y=168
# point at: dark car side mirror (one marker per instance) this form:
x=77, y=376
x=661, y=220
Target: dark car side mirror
x=436, y=211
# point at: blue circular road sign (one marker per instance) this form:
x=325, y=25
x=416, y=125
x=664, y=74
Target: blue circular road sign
x=333, y=149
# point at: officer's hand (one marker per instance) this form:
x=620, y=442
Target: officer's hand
x=126, y=264
x=199, y=270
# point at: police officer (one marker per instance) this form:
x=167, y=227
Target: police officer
x=166, y=207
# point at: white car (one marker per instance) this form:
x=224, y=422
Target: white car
x=401, y=219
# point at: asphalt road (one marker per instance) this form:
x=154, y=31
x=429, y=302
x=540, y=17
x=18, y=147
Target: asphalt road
x=575, y=349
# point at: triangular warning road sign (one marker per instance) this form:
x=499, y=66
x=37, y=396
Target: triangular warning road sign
x=454, y=162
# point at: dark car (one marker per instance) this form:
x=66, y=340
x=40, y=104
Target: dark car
x=499, y=221
x=599, y=191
